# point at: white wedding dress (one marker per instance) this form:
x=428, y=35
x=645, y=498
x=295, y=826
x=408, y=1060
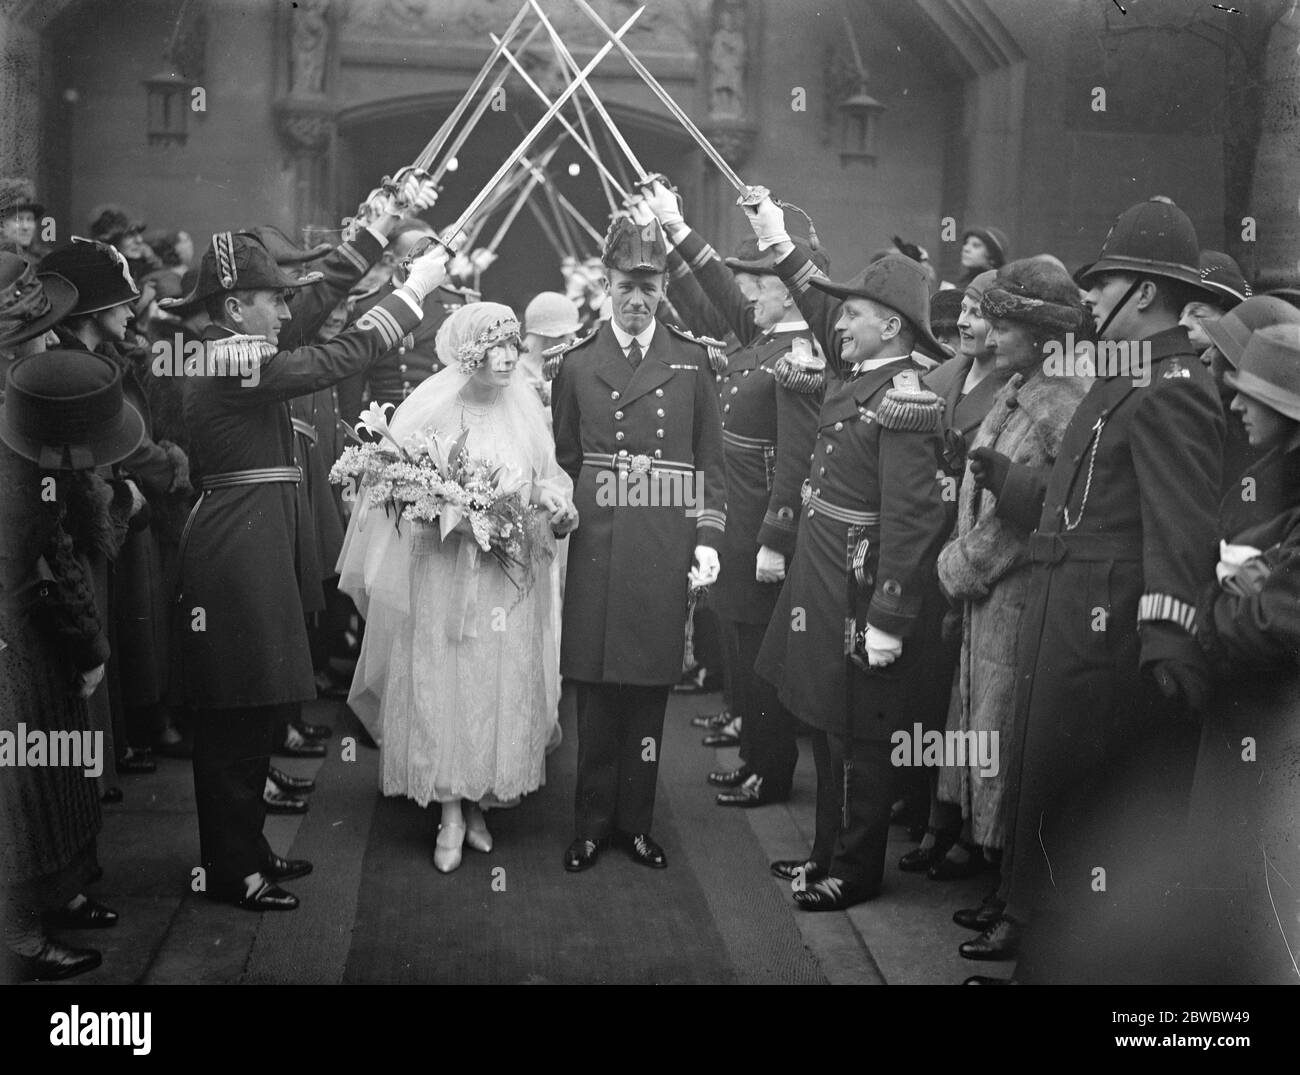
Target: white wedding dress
x=458, y=677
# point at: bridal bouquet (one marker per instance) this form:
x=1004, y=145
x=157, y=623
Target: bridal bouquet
x=432, y=483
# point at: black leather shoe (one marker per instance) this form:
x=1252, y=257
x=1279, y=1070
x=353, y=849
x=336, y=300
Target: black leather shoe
x=789, y=869
x=729, y=778
x=313, y=731
x=267, y=897
x=645, y=851
x=726, y=736
x=979, y=918
x=279, y=869
x=55, y=961
x=582, y=855
x=277, y=802
x=921, y=859
x=298, y=746
x=947, y=869
x=830, y=894
x=749, y=794
x=1000, y=941
x=298, y=785
x=711, y=721
x=90, y=915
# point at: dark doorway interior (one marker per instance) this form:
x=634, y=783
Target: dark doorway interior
x=528, y=262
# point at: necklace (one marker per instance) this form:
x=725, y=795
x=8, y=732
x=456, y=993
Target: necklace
x=469, y=411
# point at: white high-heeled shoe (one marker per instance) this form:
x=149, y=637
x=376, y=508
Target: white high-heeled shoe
x=477, y=835
x=447, y=849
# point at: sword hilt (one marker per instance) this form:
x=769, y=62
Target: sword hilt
x=753, y=196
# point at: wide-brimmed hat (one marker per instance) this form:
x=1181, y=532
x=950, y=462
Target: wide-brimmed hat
x=763, y=262
x=1152, y=238
x=31, y=303
x=16, y=195
x=901, y=284
x=112, y=223
x=64, y=410
x=551, y=314
x=1231, y=332
x=237, y=261
x=1270, y=369
x=1288, y=294
x=995, y=239
x=1222, y=275
x=97, y=270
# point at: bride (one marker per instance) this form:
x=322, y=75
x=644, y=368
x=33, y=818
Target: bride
x=458, y=677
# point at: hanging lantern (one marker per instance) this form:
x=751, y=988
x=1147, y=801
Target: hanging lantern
x=168, y=99
x=859, y=115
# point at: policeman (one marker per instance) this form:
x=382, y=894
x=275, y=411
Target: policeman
x=1109, y=669
x=769, y=418
x=636, y=427
x=862, y=584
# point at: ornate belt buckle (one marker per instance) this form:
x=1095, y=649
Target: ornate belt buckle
x=640, y=464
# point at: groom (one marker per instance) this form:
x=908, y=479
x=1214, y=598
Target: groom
x=636, y=413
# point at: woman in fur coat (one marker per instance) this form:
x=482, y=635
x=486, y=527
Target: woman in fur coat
x=1030, y=308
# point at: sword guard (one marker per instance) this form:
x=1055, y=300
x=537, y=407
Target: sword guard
x=753, y=197
x=653, y=178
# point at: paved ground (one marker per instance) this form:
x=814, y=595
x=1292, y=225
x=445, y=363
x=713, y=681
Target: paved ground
x=375, y=910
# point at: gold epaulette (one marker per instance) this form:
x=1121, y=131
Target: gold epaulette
x=910, y=408
x=797, y=379
x=716, y=348
x=553, y=357
x=239, y=353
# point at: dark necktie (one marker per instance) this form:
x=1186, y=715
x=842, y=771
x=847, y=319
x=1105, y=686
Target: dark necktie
x=634, y=353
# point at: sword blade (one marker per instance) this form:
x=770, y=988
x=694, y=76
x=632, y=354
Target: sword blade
x=564, y=53
x=665, y=97
x=535, y=175
x=583, y=143
x=444, y=132
x=572, y=88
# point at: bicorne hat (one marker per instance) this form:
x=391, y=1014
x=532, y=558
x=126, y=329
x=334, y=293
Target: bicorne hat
x=64, y=410
x=901, y=284
x=633, y=247
x=237, y=261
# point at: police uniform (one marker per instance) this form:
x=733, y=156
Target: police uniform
x=873, y=521
x=623, y=426
x=769, y=417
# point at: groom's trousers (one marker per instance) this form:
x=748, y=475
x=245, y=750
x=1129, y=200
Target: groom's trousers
x=620, y=732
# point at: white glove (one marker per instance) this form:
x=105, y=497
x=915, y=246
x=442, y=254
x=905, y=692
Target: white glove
x=770, y=566
x=664, y=204
x=640, y=212
x=882, y=648
x=426, y=273
x=768, y=222
x=705, y=570
x=482, y=258
x=417, y=193
x=88, y=681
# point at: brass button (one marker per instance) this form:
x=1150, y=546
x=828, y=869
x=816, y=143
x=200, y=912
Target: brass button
x=659, y=433
x=618, y=435
x=823, y=471
x=734, y=389
x=660, y=412
x=659, y=392
x=401, y=368
x=830, y=448
x=747, y=373
x=839, y=426
x=659, y=453
x=613, y=395
x=811, y=512
x=726, y=408
x=618, y=415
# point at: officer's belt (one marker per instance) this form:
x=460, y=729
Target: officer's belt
x=228, y=480
x=753, y=444
x=254, y=476
x=814, y=503
x=1086, y=548
x=634, y=463
x=305, y=428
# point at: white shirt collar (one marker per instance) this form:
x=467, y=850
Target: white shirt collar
x=625, y=339
x=796, y=324
x=925, y=362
